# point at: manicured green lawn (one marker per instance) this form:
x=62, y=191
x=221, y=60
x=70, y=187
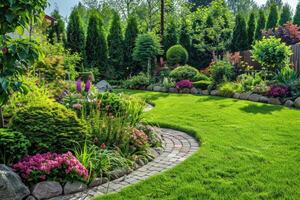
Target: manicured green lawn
x=248, y=150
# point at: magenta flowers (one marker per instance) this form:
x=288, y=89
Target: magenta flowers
x=88, y=85
x=51, y=166
x=78, y=85
x=184, y=84
x=278, y=91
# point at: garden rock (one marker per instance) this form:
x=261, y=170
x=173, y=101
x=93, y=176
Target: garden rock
x=46, y=190
x=289, y=103
x=214, y=93
x=245, y=95
x=254, y=97
x=117, y=173
x=103, y=86
x=11, y=186
x=30, y=198
x=297, y=102
x=73, y=187
x=205, y=92
x=164, y=89
x=172, y=90
x=236, y=95
x=150, y=88
x=194, y=90
x=157, y=88
x=185, y=91
x=274, y=101
x=263, y=99
x=98, y=181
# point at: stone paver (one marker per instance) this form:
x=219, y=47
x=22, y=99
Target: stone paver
x=177, y=147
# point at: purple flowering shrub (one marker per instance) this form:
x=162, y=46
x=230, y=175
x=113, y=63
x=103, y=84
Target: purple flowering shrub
x=51, y=166
x=184, y=84
x=278, y=91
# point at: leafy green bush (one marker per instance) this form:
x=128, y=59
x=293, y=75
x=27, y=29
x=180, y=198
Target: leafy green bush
x=50, y=127
x=184, y=73
x=200, y=77
x=271, y=53
x=229, y=88
x=137, y=82
x=111, y=102
x=295, y=88
x=203, y=85
x=250, y=81
x=221, y=71
x=168, y=83
x=286, y=76
x=13, y=146
x=177, y=55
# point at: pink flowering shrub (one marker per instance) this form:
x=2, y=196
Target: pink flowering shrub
x=184, y=84
x=51, y=166
x=139, y=138
x=278, y=91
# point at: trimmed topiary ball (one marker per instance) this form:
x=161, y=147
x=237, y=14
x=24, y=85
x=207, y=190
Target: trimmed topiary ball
x=177, y=55
x=184, y=73
x=50, y=127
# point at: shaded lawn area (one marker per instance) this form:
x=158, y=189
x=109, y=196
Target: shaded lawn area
x=248, y=150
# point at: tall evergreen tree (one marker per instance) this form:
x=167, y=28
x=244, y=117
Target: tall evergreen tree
x=251, y=29
x=261, y=24
x=184, y=37
x=116, y=49
x=240, y=35
x=75, y=33
x=170, y=38
x=273, y=17
x=198, y=3
x=96, y=52
x=131, y=34
x=297, y=15
x=56, y=32
x=286, y=14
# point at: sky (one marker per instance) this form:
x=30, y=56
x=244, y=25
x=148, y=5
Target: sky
x=66, y=5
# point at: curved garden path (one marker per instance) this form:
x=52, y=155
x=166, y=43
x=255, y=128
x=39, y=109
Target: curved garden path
x=177, y=147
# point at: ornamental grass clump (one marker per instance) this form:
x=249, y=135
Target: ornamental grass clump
x=51, y=167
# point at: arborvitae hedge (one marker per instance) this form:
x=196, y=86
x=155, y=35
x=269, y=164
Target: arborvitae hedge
x=240, y=35
x=273, y=17
x=261, y=24
x=116, y=49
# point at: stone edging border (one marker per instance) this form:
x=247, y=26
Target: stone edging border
x=243, y=96
x=178, y=146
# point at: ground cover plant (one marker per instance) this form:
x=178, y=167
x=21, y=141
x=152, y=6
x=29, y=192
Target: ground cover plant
x=248, y=150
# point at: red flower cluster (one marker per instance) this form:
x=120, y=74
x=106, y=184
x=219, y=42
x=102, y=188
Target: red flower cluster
x=184, y=84
x=139, y=138
x=278, y=91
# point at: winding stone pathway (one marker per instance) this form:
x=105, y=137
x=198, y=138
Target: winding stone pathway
x=177, y=147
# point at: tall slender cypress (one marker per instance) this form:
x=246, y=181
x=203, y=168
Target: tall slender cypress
x=96, y=52
x=251, y=29
x=170, y=38
x=75, y=33
x=286, y=15
x=297, y=15
x=131, y=34
x=116, y=49
x=273, y=17
x=184, y=37
x=261, y=24
x=240, y=35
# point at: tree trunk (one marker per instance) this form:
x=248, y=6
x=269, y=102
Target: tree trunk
x=149, y=67
x=1, y=118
